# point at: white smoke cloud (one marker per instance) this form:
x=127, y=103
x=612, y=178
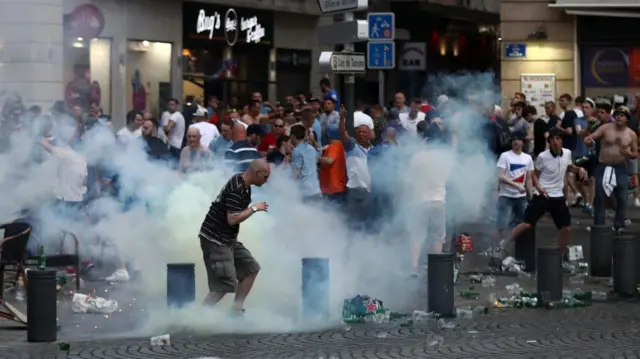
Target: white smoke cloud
x=163, y=227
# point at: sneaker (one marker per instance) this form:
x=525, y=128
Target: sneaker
x=238, y=313
x=618, y=231
x=627, y=222
x=576, y=201
x=637, y=202
x=120, y=275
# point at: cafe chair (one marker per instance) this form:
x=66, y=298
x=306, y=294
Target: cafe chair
x=13, y=248
x=60, y=260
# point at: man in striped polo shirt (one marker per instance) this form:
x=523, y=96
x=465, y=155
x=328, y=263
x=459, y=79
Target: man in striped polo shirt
x=229, y=264
x=243, y=152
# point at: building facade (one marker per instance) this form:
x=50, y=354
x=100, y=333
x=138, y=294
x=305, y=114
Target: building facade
x=131, y=54
x=579, y=47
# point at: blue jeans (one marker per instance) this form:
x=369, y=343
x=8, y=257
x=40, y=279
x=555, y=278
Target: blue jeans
x=510, y=212
x=620, y=192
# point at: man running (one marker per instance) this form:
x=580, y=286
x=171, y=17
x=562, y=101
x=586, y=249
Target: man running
x=548, y=178
x=230, y=266
x=618, y=144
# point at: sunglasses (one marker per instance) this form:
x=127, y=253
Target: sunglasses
x=278, y=126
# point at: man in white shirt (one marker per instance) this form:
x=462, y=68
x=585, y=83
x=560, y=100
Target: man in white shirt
x=174, y=128
x=410, y=120
x=132, y=129
x=71, y=184
x=208, y=131
x=551, y=168
x=515, y=170
x=427, y=199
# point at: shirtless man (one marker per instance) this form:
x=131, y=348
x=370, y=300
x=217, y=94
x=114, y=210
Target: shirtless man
x=618, y=143
x=254, y=116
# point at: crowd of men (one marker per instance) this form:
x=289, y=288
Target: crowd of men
x=594, y=141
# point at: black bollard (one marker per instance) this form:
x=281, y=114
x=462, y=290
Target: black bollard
x=440, y=294
x=181, y=284
x=315, y=288
x=525, y=249
x=600, y=250
x=624, y=265
x=550, y=272
x=42, y=310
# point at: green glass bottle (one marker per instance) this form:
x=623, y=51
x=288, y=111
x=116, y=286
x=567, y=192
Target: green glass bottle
x=469, y=294
x=42, y=264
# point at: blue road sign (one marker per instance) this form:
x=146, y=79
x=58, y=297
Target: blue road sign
x=381, y=55
x=382, y=26
x=512, y=51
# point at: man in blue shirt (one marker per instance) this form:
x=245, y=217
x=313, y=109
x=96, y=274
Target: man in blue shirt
x=329, y=93
x=304, y=162
x=242, y=153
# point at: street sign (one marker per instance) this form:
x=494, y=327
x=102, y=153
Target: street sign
x=342, y=62
x=343, y=32
x=516, y=51
x=382, y=26
x=328, y=6
x=381, y=55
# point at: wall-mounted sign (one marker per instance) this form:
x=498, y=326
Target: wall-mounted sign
x=515, y=51
x=86, y=21
x=293, y=60
x=413, y=56
x=232, y=25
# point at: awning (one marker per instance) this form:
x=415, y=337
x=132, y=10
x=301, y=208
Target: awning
x=603, y=4
x=603, y=8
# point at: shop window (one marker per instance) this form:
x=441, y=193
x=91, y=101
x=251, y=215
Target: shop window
x=148, y=69
x=87, y=72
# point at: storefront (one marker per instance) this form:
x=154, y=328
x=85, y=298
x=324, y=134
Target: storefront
x=226, y=50
x=293, y=69
x=119, y=56
x=609, y=60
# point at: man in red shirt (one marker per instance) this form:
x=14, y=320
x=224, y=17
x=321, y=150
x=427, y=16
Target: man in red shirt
x=269, y=141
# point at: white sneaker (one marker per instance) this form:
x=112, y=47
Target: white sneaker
x=637, y=202
x=120, y=275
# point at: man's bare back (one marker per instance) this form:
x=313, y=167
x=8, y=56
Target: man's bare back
x=613, y=141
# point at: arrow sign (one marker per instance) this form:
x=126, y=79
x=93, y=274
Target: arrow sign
x=329, y=6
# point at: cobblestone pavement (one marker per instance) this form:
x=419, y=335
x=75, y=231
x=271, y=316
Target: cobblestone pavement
x=604, y=330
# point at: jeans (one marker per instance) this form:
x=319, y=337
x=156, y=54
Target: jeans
x=510, y=212
x=620, y=192
x=358, y=207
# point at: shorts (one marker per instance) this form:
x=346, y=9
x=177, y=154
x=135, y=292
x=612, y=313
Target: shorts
x=227, y=265
x=557, y=208
x=427, y=223
x=632, y=166
x=510, y=212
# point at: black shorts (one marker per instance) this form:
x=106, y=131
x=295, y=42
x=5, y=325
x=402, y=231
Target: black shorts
x=557, y=208
x=227, y=265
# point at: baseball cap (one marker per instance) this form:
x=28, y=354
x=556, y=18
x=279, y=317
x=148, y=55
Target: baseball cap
x=623, y=110
x=333, y=132
x=255, y=129
x=201, y=111
x=314, y=100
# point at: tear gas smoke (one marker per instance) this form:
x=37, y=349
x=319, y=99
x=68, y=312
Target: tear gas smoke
x=161, y=226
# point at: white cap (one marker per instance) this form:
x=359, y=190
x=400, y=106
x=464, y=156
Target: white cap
x=201, y=111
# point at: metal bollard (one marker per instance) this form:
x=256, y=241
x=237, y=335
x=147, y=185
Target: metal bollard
x=625, y=250
x=550, y=272
x=315, y=287
x=525, y=249
x=181, y=284
x=440, y=293
x=42, y=309
x=600, y=250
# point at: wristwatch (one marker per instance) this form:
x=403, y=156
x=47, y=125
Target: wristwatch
x=254, y=209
